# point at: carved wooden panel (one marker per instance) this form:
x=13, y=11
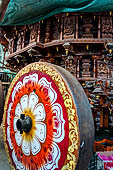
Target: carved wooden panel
x=71, y=65
x=106, y=27
x=69, y=27
x=47, y=32
x=56, y=28
x=102, y=69
x=86, y=66
x=88, y=26
x=33, y=33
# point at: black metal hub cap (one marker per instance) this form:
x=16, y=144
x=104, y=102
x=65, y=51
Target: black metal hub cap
x=24, y=124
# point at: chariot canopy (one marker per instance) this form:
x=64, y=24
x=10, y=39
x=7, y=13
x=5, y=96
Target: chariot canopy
x=20, y=12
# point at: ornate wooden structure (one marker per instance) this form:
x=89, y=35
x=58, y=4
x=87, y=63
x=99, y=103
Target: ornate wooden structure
x=80, y=43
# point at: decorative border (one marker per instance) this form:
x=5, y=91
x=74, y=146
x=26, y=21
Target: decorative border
x=74, y=138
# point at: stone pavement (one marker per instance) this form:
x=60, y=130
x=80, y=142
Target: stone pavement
x=4, y=165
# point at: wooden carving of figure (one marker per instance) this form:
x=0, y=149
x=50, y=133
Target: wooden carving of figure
x=47, y=34
x=56, y=32
x=86, y=68
x=87, y=27
x=33, y=34
x=69, y=23
x=70, y=65
x=103, y=68
x=106, y=27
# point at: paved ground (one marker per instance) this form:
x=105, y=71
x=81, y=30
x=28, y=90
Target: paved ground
x=4, y=165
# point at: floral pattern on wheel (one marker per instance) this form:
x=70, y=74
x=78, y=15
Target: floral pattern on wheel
x=35, y=95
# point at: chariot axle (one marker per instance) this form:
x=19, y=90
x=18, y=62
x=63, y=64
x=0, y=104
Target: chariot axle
x=24, y=124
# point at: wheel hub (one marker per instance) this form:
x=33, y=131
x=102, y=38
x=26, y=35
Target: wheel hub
x=24, y=124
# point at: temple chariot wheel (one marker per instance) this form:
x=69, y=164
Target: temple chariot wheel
x=1, y=102
x=48, y=123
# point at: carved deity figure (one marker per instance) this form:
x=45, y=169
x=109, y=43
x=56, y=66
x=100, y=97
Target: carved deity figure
x=69, y=24
x=33, y=34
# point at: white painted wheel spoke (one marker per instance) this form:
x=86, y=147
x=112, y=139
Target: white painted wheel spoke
x=26, y=147
x=24, y=102
x=9, y=138
x=39, y=112
x=18, y=138
x=18, y=164
x=8, y=115
x=18, y=110
x=35, y=146
x=14, y=124
x=33, y=100
x=41, y=131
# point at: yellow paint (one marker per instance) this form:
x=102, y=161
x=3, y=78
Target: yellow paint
x=57, y=49
x=110, y=13
x=87, y=47
x=67, y=14
x=110, y=51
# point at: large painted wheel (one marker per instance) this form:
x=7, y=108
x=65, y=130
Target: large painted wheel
x=48, y=123
x=1, y=102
